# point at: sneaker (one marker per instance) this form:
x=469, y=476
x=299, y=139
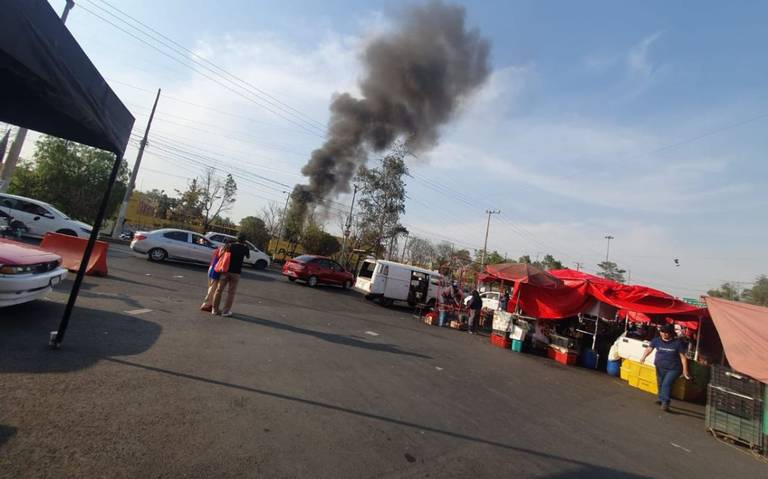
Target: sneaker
x=206, y=307
x=665, y=407
x=215, y=313
x=657, y=402
x=226, y=314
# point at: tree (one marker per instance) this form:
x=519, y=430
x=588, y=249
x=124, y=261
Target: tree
x=382, y=199
x=272, y=215
x=71, y=177
x=610, y=270
x=216, y=196
x=490, y=258
x=549, y=262
x=726, y=291
x=420, y=251
x=255, y=230
x=758, y=293
x=316, y=241
x=157, y=203
x=188, y=208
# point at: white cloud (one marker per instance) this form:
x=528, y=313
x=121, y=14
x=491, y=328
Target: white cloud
x=638, y=61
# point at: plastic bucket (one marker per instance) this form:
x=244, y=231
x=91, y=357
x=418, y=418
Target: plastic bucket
x=588, y=359
x=613, y=368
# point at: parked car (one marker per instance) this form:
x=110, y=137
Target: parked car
x=490, y=300
x=316, y=270
x=169, y=243
x=40, y=217
x=258, y=258
x=26, y=272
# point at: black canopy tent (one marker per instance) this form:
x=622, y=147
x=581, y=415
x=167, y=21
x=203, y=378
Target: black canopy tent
x=48, y=84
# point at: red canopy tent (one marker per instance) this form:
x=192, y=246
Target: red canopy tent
x=573, y=292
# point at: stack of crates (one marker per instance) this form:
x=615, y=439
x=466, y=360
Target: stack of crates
x=735, y=407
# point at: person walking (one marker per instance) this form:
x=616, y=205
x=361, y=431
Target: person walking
x=445, y=303
x=213, y=280
x=229, y=280
x=475, y=305
x=670, y=362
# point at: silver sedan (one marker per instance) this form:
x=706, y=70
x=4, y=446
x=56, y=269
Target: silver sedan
x=168, y=243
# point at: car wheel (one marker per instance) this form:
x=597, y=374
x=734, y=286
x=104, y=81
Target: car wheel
x=347, y=284
x=67, y=232
x=386, y=302
x=291, y=279
x=260, y=264
x=157, y=254
x=312, y=281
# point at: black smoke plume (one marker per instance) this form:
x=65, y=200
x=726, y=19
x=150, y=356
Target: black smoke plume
x=414, y=79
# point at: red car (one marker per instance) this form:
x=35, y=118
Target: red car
x=317, y=269
x=27, y=272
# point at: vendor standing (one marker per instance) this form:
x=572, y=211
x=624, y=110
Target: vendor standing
x=670, y=362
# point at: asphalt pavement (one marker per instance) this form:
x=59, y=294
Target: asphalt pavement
x=306, y=382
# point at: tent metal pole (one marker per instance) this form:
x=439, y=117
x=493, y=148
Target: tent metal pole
x=698, y=341
x=56, y=337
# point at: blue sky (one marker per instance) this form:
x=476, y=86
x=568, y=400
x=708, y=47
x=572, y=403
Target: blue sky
x=644, y=120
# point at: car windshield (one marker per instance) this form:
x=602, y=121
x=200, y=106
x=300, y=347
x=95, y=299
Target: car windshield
x=305, y=258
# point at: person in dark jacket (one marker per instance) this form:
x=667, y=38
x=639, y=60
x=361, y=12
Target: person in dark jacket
x=475, y=305
x=238, y=251
x=670, y=361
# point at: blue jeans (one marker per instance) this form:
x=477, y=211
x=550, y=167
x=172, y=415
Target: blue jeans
x=665, y=378
x=441, y=318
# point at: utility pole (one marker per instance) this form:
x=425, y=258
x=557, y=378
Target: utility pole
x=578, y=266
x=608, y=247
x=487, y=228
x=348, y=227
x=13, y=154
x=282, y=217
x=118, y=228
x=405, y=245
x=629, y=276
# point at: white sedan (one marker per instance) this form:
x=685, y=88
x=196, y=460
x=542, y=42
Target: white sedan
x=39, y=217
x=169, y=243
x=27, y=273
x=257, y=259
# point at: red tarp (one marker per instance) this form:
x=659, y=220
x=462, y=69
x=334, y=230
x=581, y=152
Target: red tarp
x=743, y=329
x=578, y=291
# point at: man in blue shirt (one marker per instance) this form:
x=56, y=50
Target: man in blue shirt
x=670, y=362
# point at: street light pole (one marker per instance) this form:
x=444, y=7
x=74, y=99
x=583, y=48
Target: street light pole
x=608, y=246
x=487, y=228
x=69, y=6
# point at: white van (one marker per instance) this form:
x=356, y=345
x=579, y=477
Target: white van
x=387, y=282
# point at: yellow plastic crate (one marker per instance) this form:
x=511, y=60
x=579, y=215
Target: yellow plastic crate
x=629, y=369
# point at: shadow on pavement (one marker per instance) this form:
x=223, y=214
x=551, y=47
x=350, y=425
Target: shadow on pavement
x=92, y=335
x=584, y=470
x=330, y=337
x=6, y=432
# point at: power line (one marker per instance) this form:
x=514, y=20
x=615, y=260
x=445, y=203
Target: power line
x=209, y=77
x=275, y=101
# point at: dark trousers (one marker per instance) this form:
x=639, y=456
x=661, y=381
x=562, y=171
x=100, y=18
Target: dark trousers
x=474, y=319
x=665, y=378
